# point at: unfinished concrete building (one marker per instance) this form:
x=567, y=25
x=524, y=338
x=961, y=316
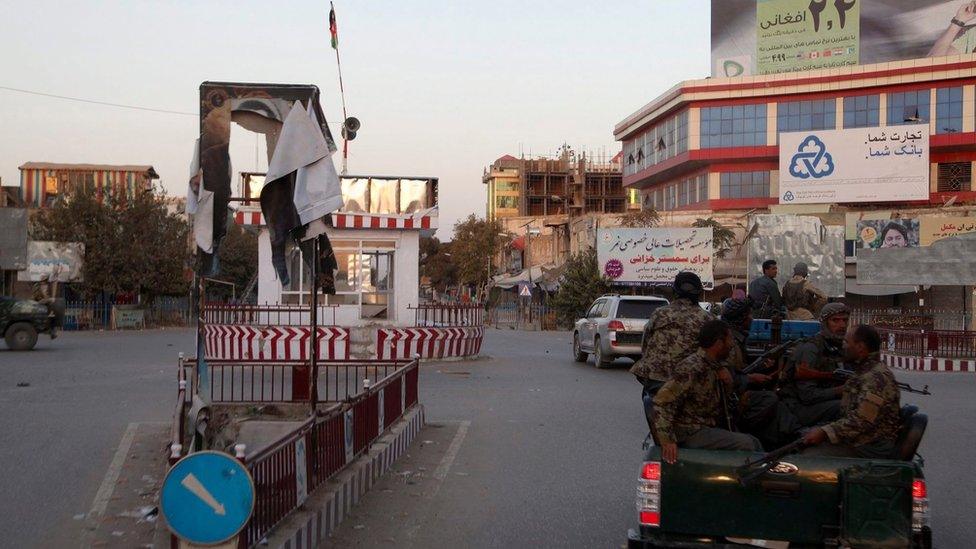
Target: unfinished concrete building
x=568, y=185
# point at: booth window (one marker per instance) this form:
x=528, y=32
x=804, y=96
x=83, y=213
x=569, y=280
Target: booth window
x=364, y=277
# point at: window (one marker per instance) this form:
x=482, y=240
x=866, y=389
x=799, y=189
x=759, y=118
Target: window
x=955, y=176
x=703, y=187
x=948, y=110
x=744, y=184
x=680, y=194
x=862, y=111
x=506, y=185
x=667, y=139
x=634, y=308
x=509, y=202
x=364, y=276
x=908, y=107
x=733, y=126
x=798, y=116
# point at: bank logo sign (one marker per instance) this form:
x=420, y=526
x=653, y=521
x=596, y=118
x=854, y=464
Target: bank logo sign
x=812, y=159
x=857, y=165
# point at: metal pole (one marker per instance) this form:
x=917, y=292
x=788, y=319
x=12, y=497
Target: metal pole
x=202, y=382
x=313, y=397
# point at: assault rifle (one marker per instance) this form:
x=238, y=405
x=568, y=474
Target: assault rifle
x=845, y=374
x=753, y=469
x=774, y=353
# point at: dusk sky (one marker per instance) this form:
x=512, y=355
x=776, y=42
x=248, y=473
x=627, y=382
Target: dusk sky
x=442, y=88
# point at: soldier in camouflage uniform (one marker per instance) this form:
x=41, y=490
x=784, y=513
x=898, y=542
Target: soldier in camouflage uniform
x=809, y=388
x=869, y=422
x=690, y=406
x=669, y=336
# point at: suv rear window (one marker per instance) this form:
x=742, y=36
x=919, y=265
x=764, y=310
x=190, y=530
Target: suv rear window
x=634, y=308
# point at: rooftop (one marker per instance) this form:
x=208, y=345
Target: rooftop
x=149, y=170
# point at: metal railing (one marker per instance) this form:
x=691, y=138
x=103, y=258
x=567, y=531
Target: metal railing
x=275, y=469
x=264, y=315
x=179, y=414
x=929, y=343
x=264, y=381
x=97, y=315
x=448, y=315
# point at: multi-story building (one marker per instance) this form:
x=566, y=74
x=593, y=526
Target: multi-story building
x=568, y=185
x=42, y=182
x=712, y=145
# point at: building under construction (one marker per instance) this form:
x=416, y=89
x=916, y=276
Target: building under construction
x=568, y=185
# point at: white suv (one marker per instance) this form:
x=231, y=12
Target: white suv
x=613, y=327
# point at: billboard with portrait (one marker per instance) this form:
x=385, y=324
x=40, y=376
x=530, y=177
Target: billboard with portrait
x=887, y=233
x=775, y=36
x=654, y=255
x=855, y=165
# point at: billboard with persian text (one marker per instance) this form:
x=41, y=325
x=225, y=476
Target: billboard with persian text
x=654, y=255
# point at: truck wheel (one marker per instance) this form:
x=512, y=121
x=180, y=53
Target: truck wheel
x=599, y=360
x=578, y=354
x=21, y=336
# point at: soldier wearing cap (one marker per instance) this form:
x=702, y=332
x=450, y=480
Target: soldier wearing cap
x=670, y=335
x=801, y=298
x=809, y=387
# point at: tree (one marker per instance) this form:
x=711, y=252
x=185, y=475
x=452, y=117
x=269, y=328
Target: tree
x=475, y=242
x=436, y=263
x=238, y=262
x=132, y=244
x=581, y=284
x=648, y=217
x=723, y=238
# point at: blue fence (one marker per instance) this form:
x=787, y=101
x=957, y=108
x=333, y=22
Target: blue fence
x=106, y=315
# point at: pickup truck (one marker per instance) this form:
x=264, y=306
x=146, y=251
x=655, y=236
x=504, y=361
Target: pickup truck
x=21, y=320
x=704, y=499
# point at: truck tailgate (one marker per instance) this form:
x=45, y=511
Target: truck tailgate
x=800, y=501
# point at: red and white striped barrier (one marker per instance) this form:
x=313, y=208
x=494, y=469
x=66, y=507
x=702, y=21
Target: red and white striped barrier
x=420, y=220
x=225, y=341
x=929, y=364
x=395, y=343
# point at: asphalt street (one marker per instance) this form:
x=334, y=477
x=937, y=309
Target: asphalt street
x=65, y=407
x=549, y=453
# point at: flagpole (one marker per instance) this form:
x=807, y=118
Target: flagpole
x=333, y=29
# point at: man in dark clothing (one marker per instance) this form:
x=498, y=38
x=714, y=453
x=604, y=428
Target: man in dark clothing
x=760, y=413
x=869, y=422
x=809, y=388
x=803, y=300
x=766, y=299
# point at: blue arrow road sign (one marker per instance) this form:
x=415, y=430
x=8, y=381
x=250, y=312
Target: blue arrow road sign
x=207, y=497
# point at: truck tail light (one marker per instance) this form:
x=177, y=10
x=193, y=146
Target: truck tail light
x=649, y=494
x=920, y=505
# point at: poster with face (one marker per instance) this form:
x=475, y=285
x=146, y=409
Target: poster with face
x=887, y=233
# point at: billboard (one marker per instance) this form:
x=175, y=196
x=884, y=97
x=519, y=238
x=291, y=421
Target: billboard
x=887, y=233
x=775, y=36
x=654, y=255
x=936, y=228
x=856, y=165
x=53, y=261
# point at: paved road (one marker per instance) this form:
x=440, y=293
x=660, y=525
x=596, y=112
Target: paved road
x=60, y=432
x=551, y=453
x=549, y=457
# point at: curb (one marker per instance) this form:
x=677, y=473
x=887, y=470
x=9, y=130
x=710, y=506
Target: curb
x=929, y=364
x=321, y=514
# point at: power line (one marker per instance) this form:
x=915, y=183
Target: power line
x=108, y=104
x=95, y=102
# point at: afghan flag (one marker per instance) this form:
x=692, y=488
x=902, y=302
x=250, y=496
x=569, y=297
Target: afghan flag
x=334, y=29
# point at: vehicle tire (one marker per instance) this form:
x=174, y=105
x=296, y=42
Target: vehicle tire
x=599, y=360
x=21, y=336
x=579, y=355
